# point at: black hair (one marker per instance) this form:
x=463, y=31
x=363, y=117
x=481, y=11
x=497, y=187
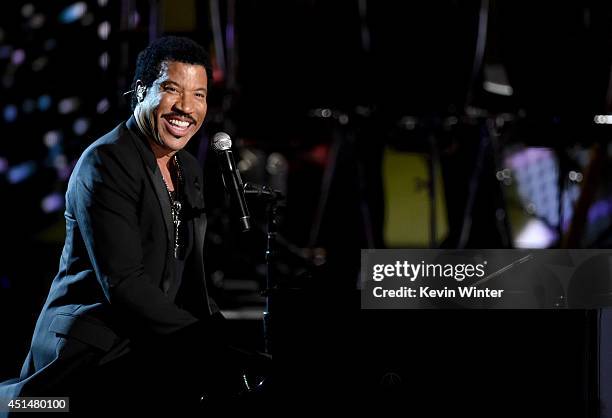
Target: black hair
x=167, y=48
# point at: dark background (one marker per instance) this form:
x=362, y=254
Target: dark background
x=316, y=95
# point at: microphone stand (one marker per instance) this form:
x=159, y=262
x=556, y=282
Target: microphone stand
x=272, y=199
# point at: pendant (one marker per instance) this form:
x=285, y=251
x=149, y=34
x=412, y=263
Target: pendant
x=176, y=211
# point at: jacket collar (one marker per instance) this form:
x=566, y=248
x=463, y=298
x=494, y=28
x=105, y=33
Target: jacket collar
x=143, y=144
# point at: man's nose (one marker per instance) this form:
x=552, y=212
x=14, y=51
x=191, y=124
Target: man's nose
x=185, y=104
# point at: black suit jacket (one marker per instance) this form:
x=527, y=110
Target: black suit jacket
x=115, y=283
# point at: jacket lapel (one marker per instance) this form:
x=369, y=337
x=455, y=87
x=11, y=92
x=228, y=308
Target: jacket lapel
x=195, y=211
x=194, y=203
x=192, y=188
x=163, y=199
x=155, y=177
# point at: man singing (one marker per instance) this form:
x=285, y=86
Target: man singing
x=128, y=315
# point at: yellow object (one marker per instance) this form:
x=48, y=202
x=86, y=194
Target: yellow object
x=407, y=202
x=178, y=16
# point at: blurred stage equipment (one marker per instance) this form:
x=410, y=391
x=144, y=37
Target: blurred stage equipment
x=557, y=65
x=426, y=104
x=538, y=84
x=342, y=146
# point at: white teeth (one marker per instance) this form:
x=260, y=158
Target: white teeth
x=179, y=123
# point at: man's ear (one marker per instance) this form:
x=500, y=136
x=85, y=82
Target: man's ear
x=141, y=91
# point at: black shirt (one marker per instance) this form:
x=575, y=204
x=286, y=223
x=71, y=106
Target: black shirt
x=185, y=240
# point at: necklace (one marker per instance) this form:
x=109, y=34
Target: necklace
x=176, y=205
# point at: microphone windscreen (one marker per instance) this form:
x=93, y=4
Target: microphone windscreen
x=221, y=142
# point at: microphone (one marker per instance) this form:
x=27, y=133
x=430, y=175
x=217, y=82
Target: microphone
x=222, y=145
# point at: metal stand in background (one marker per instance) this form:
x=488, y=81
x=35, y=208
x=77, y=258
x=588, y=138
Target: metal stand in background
x=487, y=146
x=272, y=198
x=343, y=146
x=475, y=179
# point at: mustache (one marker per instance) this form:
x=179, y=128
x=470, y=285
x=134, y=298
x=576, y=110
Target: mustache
x=180, y=115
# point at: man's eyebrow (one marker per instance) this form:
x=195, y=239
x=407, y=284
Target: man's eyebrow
x=166, y=82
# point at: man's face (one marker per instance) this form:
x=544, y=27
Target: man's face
x=176, y=104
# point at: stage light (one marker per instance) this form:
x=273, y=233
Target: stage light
x=603, y=119
x=52, y=138
x=44, y=103
x=536, y=173
x=52, y=203
x=68, y=105
x=505, y=176
x=574, y=176
x=80, y=126
x=103, y=60
x=18, y=56
x=535, y=234
x=73, y=12
x=21, y=172
x=39, y=63
x=104, y=30
x=531, y=208
x=103, y=105
x=10, y=113
x=601, y=209
x=27, y=10
x=498, y=88
x=102, y=3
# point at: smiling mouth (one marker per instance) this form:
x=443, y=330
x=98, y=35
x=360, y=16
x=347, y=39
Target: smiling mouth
x=177, y=126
